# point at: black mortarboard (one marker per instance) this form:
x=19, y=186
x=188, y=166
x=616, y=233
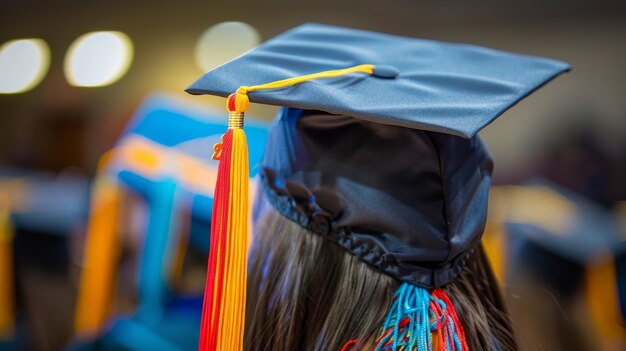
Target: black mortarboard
x=382, y=158
x=442, y=87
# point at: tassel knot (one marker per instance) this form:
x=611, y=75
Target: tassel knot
x=238, y=102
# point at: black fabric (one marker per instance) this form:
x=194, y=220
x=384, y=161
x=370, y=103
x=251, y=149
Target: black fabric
x=442, y=87
x=409, y=202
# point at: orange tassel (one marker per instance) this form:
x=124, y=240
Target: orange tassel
x=223, y=314
x=225, y=294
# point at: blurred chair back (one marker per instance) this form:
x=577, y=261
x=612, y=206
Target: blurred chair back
x=6, y=269
x=164, y=157
x=39, y=213
x=560, y=251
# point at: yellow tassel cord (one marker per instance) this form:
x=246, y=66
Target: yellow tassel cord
x=101, y=256
x=6, y=271
x=225, y=293
x=367, y=69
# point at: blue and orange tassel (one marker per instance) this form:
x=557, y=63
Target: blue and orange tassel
x=415, y=316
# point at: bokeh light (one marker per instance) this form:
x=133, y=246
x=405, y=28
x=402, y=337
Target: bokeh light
x=23, y=64
x=224, y=42
x=98, y=58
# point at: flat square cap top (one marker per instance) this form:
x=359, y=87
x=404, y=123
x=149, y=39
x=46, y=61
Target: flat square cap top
x=423, y=84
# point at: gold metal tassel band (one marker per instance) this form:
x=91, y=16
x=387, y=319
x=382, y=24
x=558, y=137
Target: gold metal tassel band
x=235, y=119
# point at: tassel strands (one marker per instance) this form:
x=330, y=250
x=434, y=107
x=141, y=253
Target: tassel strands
x=419, y=320
x=451, y=332
x=408, y=323
x=225, y=294
x=224, y=303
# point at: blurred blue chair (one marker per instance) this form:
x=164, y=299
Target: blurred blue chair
x=163, y=156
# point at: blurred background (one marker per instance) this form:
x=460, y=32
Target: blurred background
x=106, y=178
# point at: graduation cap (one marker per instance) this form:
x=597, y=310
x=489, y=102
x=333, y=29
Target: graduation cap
x=375, y=149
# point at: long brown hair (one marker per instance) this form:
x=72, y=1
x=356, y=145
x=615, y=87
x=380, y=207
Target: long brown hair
x=307, y=293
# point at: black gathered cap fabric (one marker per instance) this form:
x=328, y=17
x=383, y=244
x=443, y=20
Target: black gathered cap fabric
x=411, y=203
x=387, y=166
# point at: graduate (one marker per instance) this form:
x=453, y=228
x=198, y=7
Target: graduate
x=373, y=200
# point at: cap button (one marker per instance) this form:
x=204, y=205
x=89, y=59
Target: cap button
x=385, y=71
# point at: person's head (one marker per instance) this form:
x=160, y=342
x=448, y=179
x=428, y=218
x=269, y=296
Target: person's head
x=377, y=189
x=308, y=293
x=340, y=231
